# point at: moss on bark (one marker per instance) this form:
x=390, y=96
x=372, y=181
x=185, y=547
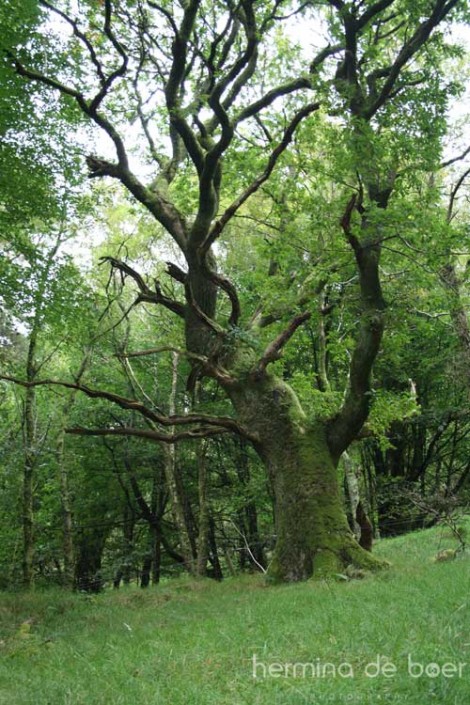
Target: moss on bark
x=313, y=535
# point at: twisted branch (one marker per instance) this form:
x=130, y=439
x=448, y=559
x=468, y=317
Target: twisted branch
x=225, y=423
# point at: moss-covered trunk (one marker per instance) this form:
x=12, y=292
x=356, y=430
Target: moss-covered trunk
x=313, y=534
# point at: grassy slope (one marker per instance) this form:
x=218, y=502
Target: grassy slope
x=188, y=642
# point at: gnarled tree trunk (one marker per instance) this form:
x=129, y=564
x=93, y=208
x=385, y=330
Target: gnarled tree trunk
x=313, y=534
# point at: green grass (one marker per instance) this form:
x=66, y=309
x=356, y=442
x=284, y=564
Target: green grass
x=192, y=642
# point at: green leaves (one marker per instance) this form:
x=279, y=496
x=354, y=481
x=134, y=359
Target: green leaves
x=388, y=407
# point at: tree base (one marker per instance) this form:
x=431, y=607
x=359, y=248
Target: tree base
x=323, y=563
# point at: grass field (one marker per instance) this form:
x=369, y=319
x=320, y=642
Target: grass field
x=192, y=642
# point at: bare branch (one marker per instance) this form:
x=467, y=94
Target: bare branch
x=247, y=546
x=80, y=35
x=219, y=225
x=144, y=120
x=164, y=211
x=409, y=49
x=454, y=193
x=110, y=33
x=162, y=349
x=147, y=294
x=224, y=422
x=459, y=158
x=22, y=70
x=120, y=71
x=176, y=273
x=208, y=366
x=286, y=89
x=150, y=435
x=274, y=349
x=295, y=12
x=372, y=12
x=243, y=68
x=86, y=107
x=166, y=14
x=271, y=96
x=175, y=82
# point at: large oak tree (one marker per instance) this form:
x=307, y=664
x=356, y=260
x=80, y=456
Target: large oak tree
x=187, y=84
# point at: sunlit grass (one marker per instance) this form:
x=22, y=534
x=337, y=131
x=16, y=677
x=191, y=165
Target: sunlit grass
x=192, y=642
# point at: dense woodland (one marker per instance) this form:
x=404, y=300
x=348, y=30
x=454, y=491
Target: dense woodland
x=234, y=285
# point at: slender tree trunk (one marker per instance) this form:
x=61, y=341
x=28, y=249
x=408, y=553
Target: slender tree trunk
x=30, y=442
x=89, y=551
x=125, y=569
x=203, y=534
x=156, y=542
x=366, y=529
x=217, y=572
x=65, y=497
x=253, y=537
x=157, y=506
x=28, y=479
x=30, y=422
x=459, y=316
x=67, y=520
x=353, y=492
x=169, y=451
x=249, y=518
x=146, y=571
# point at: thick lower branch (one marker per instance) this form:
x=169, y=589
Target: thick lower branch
x=222, y=422
x=148, y=434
